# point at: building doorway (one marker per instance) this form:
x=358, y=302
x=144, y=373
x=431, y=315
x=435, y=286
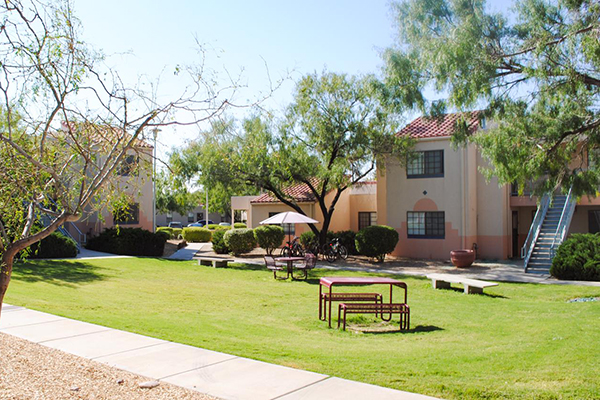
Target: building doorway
x=515, y=235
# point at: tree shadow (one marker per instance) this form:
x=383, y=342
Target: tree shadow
x=56, y=272
x=493, y=296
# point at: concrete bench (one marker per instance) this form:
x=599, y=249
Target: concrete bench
x=441, y=281
x=378, y=309
x=214, y=261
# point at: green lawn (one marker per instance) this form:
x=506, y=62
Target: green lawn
x=517, y=341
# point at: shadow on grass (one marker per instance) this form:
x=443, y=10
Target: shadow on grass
x=493, y=296
x=56, y=272
x=416, y=329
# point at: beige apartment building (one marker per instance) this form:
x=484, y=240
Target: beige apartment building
x=440, y=202
x=355, y=209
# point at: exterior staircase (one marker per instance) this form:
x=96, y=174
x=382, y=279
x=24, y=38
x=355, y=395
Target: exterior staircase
x=548, y=230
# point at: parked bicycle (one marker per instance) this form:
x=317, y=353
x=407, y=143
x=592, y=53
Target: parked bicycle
x=334, y=250
x=293, y=248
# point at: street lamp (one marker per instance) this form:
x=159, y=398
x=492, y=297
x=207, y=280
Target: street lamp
x=155, y=134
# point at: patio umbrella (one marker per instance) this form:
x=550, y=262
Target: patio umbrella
x=289, y=217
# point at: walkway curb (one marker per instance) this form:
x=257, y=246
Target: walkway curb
x=218, y=374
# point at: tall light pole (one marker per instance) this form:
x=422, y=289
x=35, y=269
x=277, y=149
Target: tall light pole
x=155, y=134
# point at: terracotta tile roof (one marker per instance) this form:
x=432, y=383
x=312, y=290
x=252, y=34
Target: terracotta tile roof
x=300, y=193
x=426, y=127
x=105, y=132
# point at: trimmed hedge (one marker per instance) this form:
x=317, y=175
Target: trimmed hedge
x=128, y=241
x=376, y=241
x=308, y=238
x=240, y=241
x=578, y=258
x=218, y=242
x=165, y=229
x=239, y=225
x=196, y=234
x=212, y=227
x=269, y=237
x=56, y=245
x=177, y=232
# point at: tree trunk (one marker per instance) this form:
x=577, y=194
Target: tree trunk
x=7, y=263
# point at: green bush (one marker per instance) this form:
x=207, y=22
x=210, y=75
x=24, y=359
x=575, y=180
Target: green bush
x=578, y=258
x=308, y=238
x=239, y=225
x=166, y=229
x=222, y=228
x=348, y=240
x=269, y=237
x=56, y=245
x=212, y=227
x=240, y=241
x=218, y=242
x=166, y=234
x=376, y=241
x=128, y=241
x=196, y=234
x=177, y=232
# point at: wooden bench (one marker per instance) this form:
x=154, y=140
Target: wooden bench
x=401, y=309
x=443, y=281
x=370, y=297
x=214, y=261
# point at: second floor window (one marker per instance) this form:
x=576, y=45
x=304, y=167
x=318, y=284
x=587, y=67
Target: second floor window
x=426, y=164
x=128, y=165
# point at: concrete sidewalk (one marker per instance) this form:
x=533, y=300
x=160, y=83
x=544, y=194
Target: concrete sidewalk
x=217, y=374
x=188, y=252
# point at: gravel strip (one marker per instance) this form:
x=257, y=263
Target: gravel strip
x=31, y=371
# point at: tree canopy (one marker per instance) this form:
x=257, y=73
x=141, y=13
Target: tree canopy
x=535, y=71
x=333, y=135
x=67, y=123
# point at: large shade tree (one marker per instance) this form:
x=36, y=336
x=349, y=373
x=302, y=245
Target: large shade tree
x=536, y=71
x=67, y=123
x=334, y=134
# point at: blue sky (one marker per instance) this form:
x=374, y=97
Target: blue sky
x=150, y=37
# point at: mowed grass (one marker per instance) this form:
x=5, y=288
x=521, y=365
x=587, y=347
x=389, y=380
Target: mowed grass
x=516, y=341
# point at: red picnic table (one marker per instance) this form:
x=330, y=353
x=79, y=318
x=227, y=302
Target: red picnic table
x=330, y=282
x=290, y=264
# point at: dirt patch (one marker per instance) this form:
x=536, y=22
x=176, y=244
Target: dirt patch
x=32, y=371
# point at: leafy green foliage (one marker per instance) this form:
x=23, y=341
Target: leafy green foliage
x=239, y=225
x=174, y=196
x=167, y=230
x=56, y=245
x=177, y=232
x=128, y=241
x=376, y=241
x=348, y=240
x=196, y=234
x=578, y=258
x=240, y=241
x=536, y=72
x=334, y=134
x=269, y=237
x=218, y=242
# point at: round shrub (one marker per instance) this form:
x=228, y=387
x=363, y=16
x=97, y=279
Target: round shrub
x=269, y=237
x=240, y=241
x=196, y=234
x=166, y=229
x=177, y=232
x=308, y=238
x=212, y=227
x=239, y=225
x=128, y=241
x=166, y=234
x=56, y=245
x=376, y=241
x=218, y=242
x=578, y=258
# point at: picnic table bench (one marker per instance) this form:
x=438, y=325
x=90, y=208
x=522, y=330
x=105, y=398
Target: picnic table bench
x=214, y=261
x=441, y=281
x=378, y=309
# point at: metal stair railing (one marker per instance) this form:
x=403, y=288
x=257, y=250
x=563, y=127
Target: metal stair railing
x=564, y=223
x=534, y=230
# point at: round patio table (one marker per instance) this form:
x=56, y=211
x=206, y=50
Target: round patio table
x=290, y=264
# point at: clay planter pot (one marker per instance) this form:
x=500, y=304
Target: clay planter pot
x=462, y=258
